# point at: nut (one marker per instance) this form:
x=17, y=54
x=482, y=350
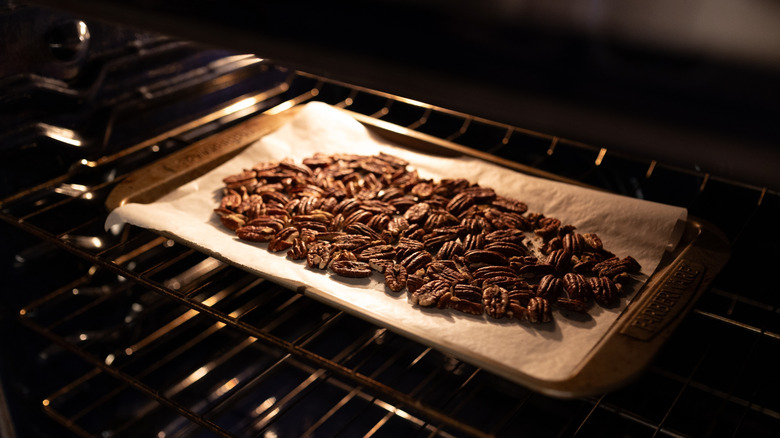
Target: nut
x=495, y=300
x=350, y=268
x=539, y=310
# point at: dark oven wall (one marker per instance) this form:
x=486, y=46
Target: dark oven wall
x=123, y=332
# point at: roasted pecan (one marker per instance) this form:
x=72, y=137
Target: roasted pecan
x=574, y=243
x=492, y=271
x=283, y=239
x=416, y=261
x=395, y=277
x=429, y=293
x=413, y=282
x=449, y=250
x=467, y=292
x=577, y=287
x=561, y=259
x=465, y=306
x=473, y=241
x=509, y=204
x=318, y=255
x=407, y=246
x=438, y=218
x=299, y=250
x=549, y=287
x=350, y=268
x=460, y=203
x=495, y=300
x=508, y=249
x=351, y=241
x=615, y=266
x=418, y=212
x=539, y=310
x=386, y=252
x=537, y=270
x=482, y=257
x=605, y=291
x=593, y=240
x=510, y=235
x=233, y=221
x=517, y=310
x=547, y=227
x=254, y=233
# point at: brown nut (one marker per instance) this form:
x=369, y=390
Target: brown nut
x=395, y=277
x=539, y=310
x=495, y=300
x=351, y=268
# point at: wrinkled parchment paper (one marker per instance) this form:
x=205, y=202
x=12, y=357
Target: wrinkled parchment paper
x=548, y=352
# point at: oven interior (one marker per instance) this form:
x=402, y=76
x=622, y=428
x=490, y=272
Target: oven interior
x=123, y=332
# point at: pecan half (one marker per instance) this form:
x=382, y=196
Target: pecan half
x=350, y=268
x=318, y=255
x=539, y=310
x=576, y=287
x=495, y=300
x=395, y=277
x=605, y=291
x=549, y=288
x=299, y=250
x=253, y=233
x=429, y=293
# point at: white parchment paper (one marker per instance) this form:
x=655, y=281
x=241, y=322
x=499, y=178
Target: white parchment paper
x=548, y=352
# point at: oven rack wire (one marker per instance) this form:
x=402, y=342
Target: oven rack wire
x=176, y=302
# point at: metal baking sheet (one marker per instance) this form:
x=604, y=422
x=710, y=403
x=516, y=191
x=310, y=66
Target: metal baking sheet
x=572, y=356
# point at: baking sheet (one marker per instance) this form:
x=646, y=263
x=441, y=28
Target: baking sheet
x=547, y=352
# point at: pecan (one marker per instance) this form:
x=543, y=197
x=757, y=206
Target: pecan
x=423, y=190
x=537, y=270
x=438, y=218
x=508, y=249
x=549, y=287
x=433, y=241
x=350, y=241
x=574, y=243
x=539, y=310
x=510, y=235
x=593, y=241
x=485, y=257
x=460, y=203
x=517, y=310
x=495, y=300
x=492, y=271
x=480, y=194
x=230, y=199
x=605, y=291
x=473, y=241
x=283, y=239
x=506, y=281
x=467, y=292
x=358, y=216
x=385, y=252
x=318, y=255
x=509, y=204
x=380, y=265
x=418, y=212
x=615, y=266
x=363, y=230
x=376, y=206
x=417, y=260
x=397, y=225
x=403, y=203
x=429, y=293
x=350, y=268
x=233, y=221
x=415, y=232
x=561, y=259
x=573, y=305
x=413, y=282
x=254, y=233
x=299, y=250
x=395, y=277
x=465, y=306
x=576, y=287
x=407, y=246
x=449, y=250
x=547, y=227
x=475, y=224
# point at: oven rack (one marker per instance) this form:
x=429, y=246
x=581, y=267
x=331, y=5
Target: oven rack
x=431, y=394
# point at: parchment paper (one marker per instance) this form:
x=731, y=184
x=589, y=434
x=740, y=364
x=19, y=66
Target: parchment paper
x=548, y=352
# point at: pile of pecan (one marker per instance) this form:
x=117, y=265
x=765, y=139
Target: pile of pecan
x=450, y=244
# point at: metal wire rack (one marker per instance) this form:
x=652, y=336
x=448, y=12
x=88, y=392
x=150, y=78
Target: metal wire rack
x=161, y=340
